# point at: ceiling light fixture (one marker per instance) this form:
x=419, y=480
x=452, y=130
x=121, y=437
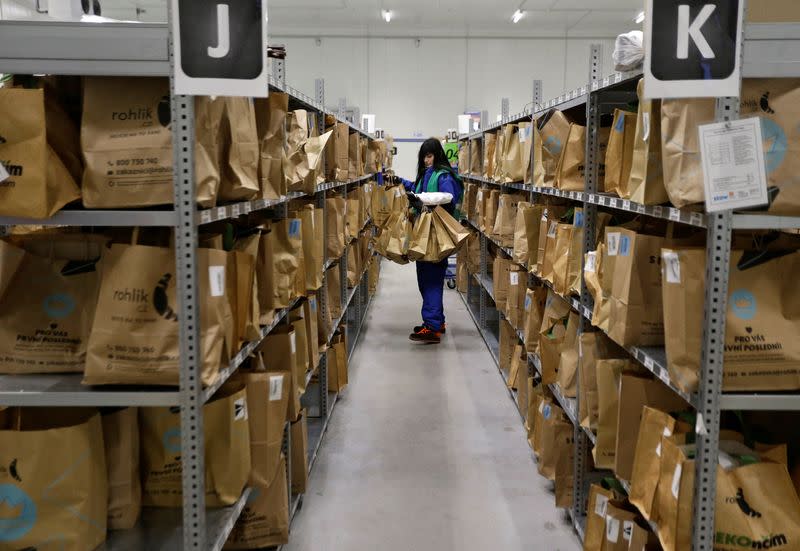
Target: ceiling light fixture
x=639, y=17
x=387, y=15
x=519, y=14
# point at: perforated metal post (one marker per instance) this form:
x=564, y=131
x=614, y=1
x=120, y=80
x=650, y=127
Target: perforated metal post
x=504, y=109
x=718, y=257
x=286, y=446
x=580, y=490
x=343, y=290
x=484, y=276
x=536, y=101
x=186, y=283
x=279, y=69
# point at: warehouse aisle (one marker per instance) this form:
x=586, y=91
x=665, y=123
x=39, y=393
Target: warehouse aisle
x=426, y=450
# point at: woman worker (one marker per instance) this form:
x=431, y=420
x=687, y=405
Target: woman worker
x=436, y=184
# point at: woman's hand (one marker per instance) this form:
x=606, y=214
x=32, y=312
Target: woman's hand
x=414, y=201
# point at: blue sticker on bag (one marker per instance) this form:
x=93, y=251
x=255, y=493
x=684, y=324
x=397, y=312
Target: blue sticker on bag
x=578, y=218
x=546, y=411
x=620, y=126
x=294, y=227
x=14, y=499
x=624, y=245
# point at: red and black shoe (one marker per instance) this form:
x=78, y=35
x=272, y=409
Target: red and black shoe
x=442, y=330
x=425, y=335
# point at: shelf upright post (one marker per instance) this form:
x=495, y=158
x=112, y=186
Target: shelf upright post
x=187, y=283
x=286, y=446
x=322, y=294
x=504, y=110
x=580, y=495
x=343, y=290
x=279, y=69
x=537, y=100
x=484, y=276
x=718, y=261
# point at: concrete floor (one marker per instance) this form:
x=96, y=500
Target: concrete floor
x=425, y=450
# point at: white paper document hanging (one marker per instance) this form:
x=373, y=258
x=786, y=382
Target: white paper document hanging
x=733, y=164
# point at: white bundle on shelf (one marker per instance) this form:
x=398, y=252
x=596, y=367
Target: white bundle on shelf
x=628, y=51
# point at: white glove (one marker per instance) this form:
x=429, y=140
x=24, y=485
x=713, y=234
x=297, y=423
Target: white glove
x=438, y=198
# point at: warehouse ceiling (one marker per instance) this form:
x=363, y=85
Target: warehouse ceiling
x=425, y=18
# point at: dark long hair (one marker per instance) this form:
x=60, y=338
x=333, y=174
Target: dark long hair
x=440, y=162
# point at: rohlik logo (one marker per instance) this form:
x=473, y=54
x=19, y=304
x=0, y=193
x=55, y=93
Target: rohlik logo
x=18, y=513
x=743, y=304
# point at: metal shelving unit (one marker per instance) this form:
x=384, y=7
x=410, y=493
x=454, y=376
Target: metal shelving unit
x=123, y=49
x=769, y=50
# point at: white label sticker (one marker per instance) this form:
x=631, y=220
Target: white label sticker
x=676, y=480
x=612, y=529
x=675, y=215
x=514, y=278
x=398, y=192
x=612, y=243
x=551, y=232
x=667, y=432
x=248, y=208
x=216, y=279
x=627, y=530
x=626, y=205
x=601, y=200
x=205, y=216
x=734, y=172
x=700, y=425
x=4, y=175
x=672, y=266
x=293, y=343
x=648, y=362
x=591, y=262
x=275, y=387
x=240, y=409
x=236, y=210
x=222, y=212
x=697, y=219
x=646, y=126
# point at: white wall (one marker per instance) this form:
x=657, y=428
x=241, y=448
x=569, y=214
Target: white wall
x=419, y=90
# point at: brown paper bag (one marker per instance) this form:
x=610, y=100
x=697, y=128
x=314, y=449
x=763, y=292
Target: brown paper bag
x=337, y=365
x=354, y=151
x=556, y=428
x=508, y=340
x=423, y=238
x=489, y=143
x=519, y=362
x=242, y=154
x=551, y=336
x=513, y=161
x=137, y=317
x=352, y=215
x=526, y=232
x=535, y=176
x=463, y=157
x=51, y=337
x=121, y=440
x=635, y=393
x=475, y=157
x=333, y=284
x=560, y=257
x=499, y=152
x=49, y=504
x=279, y=262
x=570, y=168
x=271, y=116
x=568, y=363
x=39, y=183
x=337, y=160
x=127, y=144
x=505, y=220
x=300, y=454
x=458, y=234
x=515, y=300
x=647, y=460
x=490, y=212
x=774, y=102
x=619, y=152
x=635, y=287
x=374, y=275
x=761, y=351
x=575, y=255
x=445, y=246
x=313, y=246
x=335, y=209
x=250, y=246
x=395, y=240
x=596, y=517
x=595, y=346
x=227, y=446
x=609, y=374
x=281, y=357
x=535, y=300
x=265, y=518
x=646, y=183
x=554, y=135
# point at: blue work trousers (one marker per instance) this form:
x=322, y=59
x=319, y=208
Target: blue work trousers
x=430, y=278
